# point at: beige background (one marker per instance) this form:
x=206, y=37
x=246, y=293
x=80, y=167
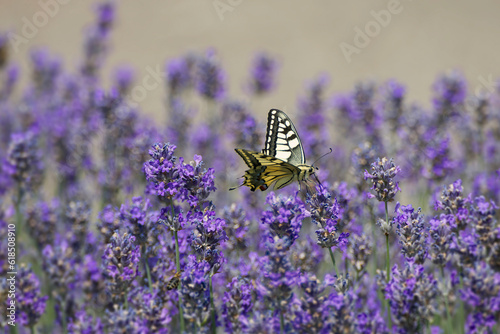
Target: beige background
x=426, y=38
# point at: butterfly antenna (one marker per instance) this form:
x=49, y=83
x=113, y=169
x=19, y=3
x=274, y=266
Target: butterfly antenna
x=322, y=156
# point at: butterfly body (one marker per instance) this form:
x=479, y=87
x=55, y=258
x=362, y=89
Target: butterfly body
x=281, y=162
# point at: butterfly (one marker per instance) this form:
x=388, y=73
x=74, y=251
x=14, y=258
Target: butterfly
x=282, y=160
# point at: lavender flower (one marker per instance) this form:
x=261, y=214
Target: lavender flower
x=42, y=221
x=441, y=239
x=237, y=305
x=123, y=79
x=45, y=71
x=142, y=222
x=481, y=292
x=453, y=203
x=412, y=297
x=96, y=43
x=312, y=315
x=410, y=228
x=313, y=120
x=306, y=255
x=121, y=265
x=108, y=223
x=241, y=125
x=392, y=104
x=450, y=92
x=179, y=75
x=206, y=236
x=439, y=164
x=325, y=214
x=237, y=227
x=382, y=176
x=483, y=220
x=277, y=276
x=210, y=78
x=151, y=313
x=23, y=163
x=84, y=323
x=285, y=218
x=195, y=293
x=262, y=74
x=359, y=251
x=30, y=303
x=184, y=182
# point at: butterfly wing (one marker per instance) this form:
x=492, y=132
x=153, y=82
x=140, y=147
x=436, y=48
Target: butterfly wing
x=282, y=139
x=264, y=170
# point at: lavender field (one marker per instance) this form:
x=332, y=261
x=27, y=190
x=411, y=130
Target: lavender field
x=111, y=222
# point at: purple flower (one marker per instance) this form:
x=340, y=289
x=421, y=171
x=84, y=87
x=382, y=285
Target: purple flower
x=412, y=297
x=210, y=78
x=96, y=42
x=450, y=92
x=481, y=291
x=23, y=162
x=179, y=74
x=278, y=277
x=206, y=236
x=121, y=265
x=325, y=214
x=312, y=316
x=313, y=120
x=109, y=222
x=161, y=169
x=441, y=238
x=42, y=222
x=410, y=228
x=152, y=314
x=284, y=220
x=195, y=292
x=241, y=125
x=382, y=176
x=306, y=255
x=262, y=74
x=83, y=323
x=123, y=79
x=483, y=220
x=453, y=203
x=392, y=105
x=359, y=251
x=45, y=71
x=30, y=303
x=237, y=227
x=141, y=221
x=438, y=161
x=237, y=305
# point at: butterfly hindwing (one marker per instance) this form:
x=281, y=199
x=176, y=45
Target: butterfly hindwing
x=264, y=170
x=282, y=139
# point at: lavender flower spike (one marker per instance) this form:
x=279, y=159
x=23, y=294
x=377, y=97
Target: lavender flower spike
x=382, y=175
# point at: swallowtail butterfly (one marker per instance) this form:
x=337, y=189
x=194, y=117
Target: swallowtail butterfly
x=282, y=161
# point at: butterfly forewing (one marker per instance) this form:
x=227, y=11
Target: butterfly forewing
x=282, y=139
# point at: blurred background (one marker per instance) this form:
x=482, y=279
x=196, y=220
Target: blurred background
x=351, y=41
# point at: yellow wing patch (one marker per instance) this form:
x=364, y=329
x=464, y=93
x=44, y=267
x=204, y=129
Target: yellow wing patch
x=264, y=170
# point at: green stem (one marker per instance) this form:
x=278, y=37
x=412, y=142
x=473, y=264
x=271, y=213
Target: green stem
x=333, y=261
x=32, y=329
x=178, y=266
x=146, y=267
x=282, y=323
x=448, y=317
x=388, y=265
x=213, y=324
